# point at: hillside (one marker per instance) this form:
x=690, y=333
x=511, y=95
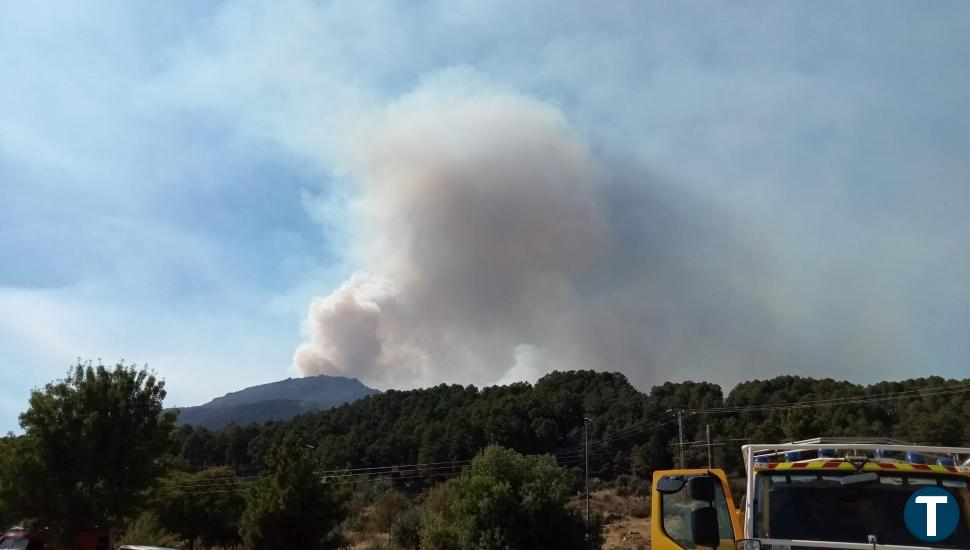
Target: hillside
x=631, y=430
x=275, y=401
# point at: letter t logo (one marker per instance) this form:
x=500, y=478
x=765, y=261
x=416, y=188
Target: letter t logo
x=930, y=502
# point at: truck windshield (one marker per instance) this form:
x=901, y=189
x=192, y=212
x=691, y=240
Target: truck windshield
x=819, y=507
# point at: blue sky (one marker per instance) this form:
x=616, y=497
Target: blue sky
x=176, y=182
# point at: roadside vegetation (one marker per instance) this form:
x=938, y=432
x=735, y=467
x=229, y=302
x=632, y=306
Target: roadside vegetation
x=437, y=468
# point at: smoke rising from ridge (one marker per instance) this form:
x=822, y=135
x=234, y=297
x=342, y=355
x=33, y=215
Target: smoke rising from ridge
x=495, y=247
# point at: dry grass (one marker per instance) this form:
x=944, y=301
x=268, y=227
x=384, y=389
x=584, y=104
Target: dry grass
x=627, y=533
x=370, y=541
x=627, y=519
x=364, y=537
x=627, y=522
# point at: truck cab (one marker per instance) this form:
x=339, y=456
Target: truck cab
x=820, y=493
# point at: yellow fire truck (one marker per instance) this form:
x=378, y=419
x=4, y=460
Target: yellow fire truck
x=819, y=493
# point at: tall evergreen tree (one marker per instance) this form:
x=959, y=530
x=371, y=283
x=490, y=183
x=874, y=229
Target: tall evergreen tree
x=291, y=507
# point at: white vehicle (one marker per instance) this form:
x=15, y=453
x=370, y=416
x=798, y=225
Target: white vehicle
x=821, y=493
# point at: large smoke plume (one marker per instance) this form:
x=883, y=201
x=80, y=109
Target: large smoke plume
x=494, y=246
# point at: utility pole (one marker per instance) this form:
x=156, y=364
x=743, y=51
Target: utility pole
x=586, y=422
x=680, y=436
x=709, y=466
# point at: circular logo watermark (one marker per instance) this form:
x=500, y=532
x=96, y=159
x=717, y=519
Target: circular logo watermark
x=931, y=514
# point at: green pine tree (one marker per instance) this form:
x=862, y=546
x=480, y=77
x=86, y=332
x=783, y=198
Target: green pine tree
x=291, y=507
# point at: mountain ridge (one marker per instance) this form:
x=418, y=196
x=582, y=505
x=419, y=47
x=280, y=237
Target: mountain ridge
x=280, y=400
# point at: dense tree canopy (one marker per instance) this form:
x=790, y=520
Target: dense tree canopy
x=291, y=507
x=206, y=506
x=507, y=500
x=454, y=423
x=92, y=444
x=6, y=466
x=632, y=432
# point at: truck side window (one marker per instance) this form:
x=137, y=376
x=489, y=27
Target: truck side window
x=724, y=523
x=677, y=507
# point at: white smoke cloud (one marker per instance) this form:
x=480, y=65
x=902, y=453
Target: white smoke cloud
x=480, y=211
x=492, y=247
x=347, y=329
x=527, y=367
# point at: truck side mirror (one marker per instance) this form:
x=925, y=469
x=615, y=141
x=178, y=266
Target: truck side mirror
x=703, y=527
x=670, y=484
x=701, y=488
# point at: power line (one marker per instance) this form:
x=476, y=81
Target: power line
x=243, y=486
x=848, y=400
x=416, y=465
x=908, y=394
x=335, y=473
x=628, y=431
x=232, y=484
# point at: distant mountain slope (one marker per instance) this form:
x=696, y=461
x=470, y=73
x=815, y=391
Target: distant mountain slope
x=275, y=401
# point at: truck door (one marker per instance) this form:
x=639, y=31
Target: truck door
x=693, y=509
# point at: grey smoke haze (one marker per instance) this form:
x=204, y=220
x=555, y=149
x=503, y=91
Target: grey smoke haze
x=495, y=246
